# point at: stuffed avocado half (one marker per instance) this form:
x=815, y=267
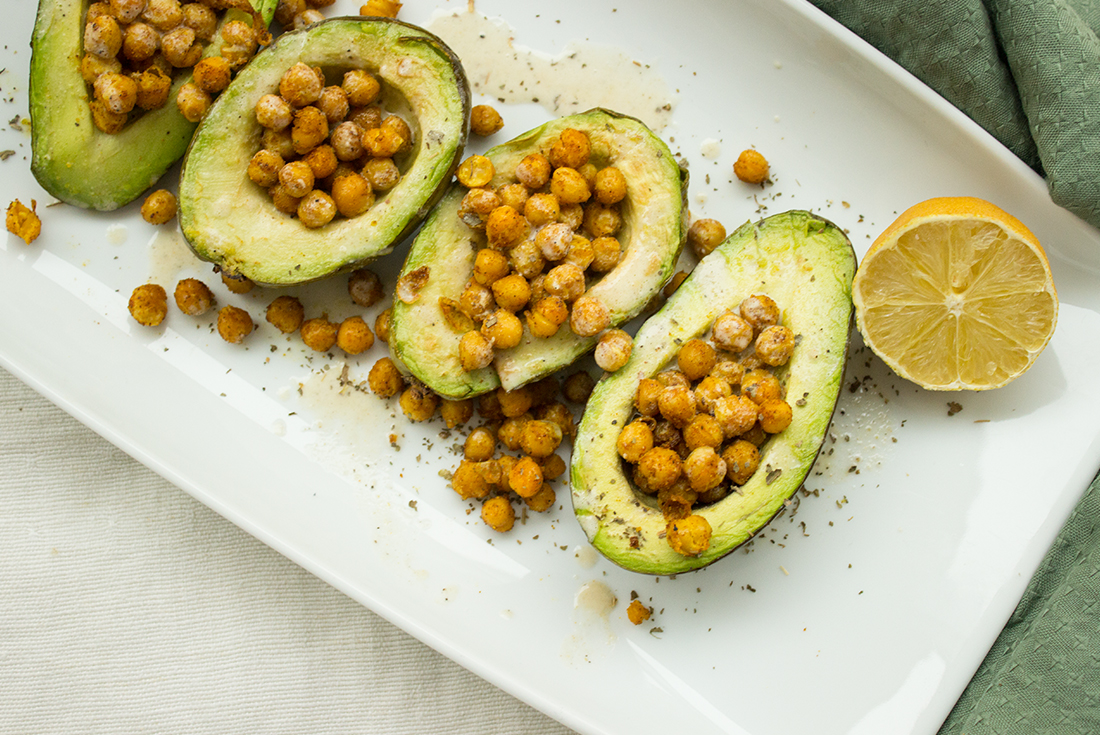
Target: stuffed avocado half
x=806, y=265
x=230, y=220
x=71, y=158
x=426, y=331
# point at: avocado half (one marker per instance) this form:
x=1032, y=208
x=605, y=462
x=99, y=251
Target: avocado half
x=806, y=264
x=71, y=158
x=654, y=216
x=230, y=221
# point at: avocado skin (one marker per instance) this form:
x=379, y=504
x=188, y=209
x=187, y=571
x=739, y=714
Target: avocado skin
x=427, y=348
x=806, y=264
x=71, y=158
x=229, y=221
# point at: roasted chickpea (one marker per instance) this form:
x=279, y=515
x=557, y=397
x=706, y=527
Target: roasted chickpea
x=480, y=445
x=319, y=334
x=273, y=112
x=384, y=379
x=511, y=430
x=515, y=195
x=572, y=215
x=117, y=92
x=709, y=390
x=103, y=37
x=540, y=439
x=610, y=185
x=474, y=351
x=418, y=403
x=382, y=173
x=475, y=171
x=497, y=512
x=673, y=377
x=601, y=220
x=559, y=414
x=566, y=281
x=634, y=440
x=742, y=459
x=456, y=413
x=309, y=130
x=705, y=235
x=139, y=42
x=505, y=227
x=637, y=613
x=761, y=385
x=647, y=395
x=127, y=11
x=92, y=66
x=201, y=20
x=153, y=86
x=581, y=253
x=703, y=431
x=570, y=150
x=775, y=415
x=352, y=195
x=527, y=260
x=503, y=329
x=180, y=47
x=677, y=404
x=286, y=314
x=554, y=240
x=354, y=336
x=511, y=292
x=396, y=126
x=689, y=536
x=544, y=499
x=234, y=324
x=366, y=117
x=264, y=168
x=297, y=177
x=605, y=254
x=365, y=287
x=660, y=468
x=533, y=171
x=283, y=200
x=164, y=15
x=760, y=311
x=490, y=266
x=589, y=317
x=278, y=141
x=192, y=102
x=193, y=297
x=333, y=102
x=212, y=74
x=360, y=87
x=515, y=402
x=578, y=387
x=696, y=359
x=751, y=167
x=525, y=478
x=149, y=304
x=468, y=482
x=159, y=207
x=547, y=316
x=731, y=332
x=300, y=85
x=729, y=371
x=382, y=325
x=569, y=186
x=704, y=469
x=775, y=345
x=613, y=350
x=736, y=415
x=383, y=142
x=485, y=120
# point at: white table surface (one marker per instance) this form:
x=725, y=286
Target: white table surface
x=127, y=606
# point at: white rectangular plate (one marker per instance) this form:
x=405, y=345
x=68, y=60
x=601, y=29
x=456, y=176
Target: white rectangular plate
x=865, y=611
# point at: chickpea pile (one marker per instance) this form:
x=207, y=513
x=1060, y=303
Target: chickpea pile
x=133, y=48
x=698, y=428
x=327, y=149
x=544, y=235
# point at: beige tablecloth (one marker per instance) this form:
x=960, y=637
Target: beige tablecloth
x=128, y=607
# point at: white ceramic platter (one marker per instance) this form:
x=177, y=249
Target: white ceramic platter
x=865, y=611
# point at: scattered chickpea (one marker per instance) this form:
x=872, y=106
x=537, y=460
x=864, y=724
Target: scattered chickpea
x=353, y=336
x=705, y=235
x=193, y=297
x=613, y=350
x=418, y=403
x=637, y=613
x=149, y=304
x=286, y=314
x=234, y=324
x=23, y=221
x=689, y=536
x=480, y=445
x=497, y=512
x=468, y=482
x=578, y=387
x=543, y=500
x=384, y=379
x=525, y=478
x=751, y=167
x=365, y=287
x=159, y=207
x=485, y=120
x=319, y=334
x=382, y=325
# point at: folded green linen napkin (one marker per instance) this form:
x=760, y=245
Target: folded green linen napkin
x=1028, y=71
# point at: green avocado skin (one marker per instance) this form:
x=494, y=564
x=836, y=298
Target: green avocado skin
x=71, y=158
x=654, y=229
x=806, y=264
x=230, y=221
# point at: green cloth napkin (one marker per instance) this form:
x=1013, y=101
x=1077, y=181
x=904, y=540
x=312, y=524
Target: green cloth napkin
x=1028, y=71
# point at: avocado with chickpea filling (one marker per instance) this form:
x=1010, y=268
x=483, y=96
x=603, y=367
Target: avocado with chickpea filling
x=574, y=228
x=105, y=119
x=326, y=151
x=794, y=270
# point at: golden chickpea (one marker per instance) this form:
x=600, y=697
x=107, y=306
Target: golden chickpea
x=709, y=390
x=418, y=403
x=660, y=468
x=566, y=281
x=300, y=85
x=731, y=332
x=365, y=287
x=139, y=42
x=559, y=414
x=515, y=402
x=273, y=112
x=634, y=440
x=474, y=351
x=383, y=142
x=637, y=613
x=476, y=205
x=502, y=329
x=334, y=103
x=525, y=478
x=569, y=186
x=647, y=396
x=533, y=171
x=153, y=86
x=511, y=430
x=117, y=92
x=164, y=15
x=570, y=150
x=761, y=385
x=283, y=200
x=610, y=185
x=352, y=195
x=760, y=311
x=581, y=253
x=396, y=125
x=541, y=209
x=360, y=87
x=193, y=297
x=366, y=117
x=544, y=499
x=285, y=10
x=751, y=167
x=601, y=220
x=201, y=20
x=703, y=431
x=515, y=195
x=676, y=502
x=666, y=435
x=92, y=66
x=382, y=325
x=485, y=120
x=775, y=415
x=736, y=415
x=613, y=350
x=547, y=316
x=695, y=359
x=505, y=227
x=286, y=314
x=212, y=74
x=384, y=379
x=297, y=177
x=751, y=361
x=192, y=102
x=103, y=37
x=236, y=284
x=689, y=536
x=677, y=404
x=578, y=387
x=127, y=11
x=354, y=336
x=468, y=482
x=705, y=235
x=605, y=254
x=589, y=317
x=180, y=48
x=729, y=371
x=742, y=459
x=381, y=8
x=309, y=130
x=318, y=333
x=263, y=169
x=149, y=304
x=511, y=292
x=159, y=207
x=540, y=439
x=382, y=173
x=456, y=413
x=234, y=324
x=527, y=260
x=756, y=435
x=673, y=377
x=704, y=469
x=278, y=141
x=475, y=171
x=554, y=240
x=497, y=512
x=490, y=266
x=346, y=140
x=480, y=445
x=775, y=345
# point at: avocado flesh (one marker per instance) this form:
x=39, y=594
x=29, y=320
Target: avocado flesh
x=652, y=235
x=806, y=264
x=229, y=220
x=71, y=158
